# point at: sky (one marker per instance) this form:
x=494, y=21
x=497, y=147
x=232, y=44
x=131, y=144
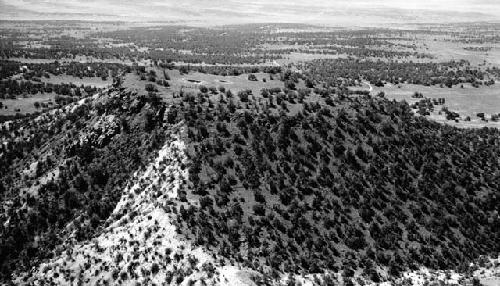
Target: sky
x=242, y=11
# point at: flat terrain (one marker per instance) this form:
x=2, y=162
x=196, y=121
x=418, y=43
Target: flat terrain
x=24, y=105
x=86, y=81
x=300, y=57
x=467, y=101
x=447, y=50
x=193, y=80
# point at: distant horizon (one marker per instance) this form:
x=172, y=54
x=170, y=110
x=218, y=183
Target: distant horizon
x=200, y=24
x=219, y=12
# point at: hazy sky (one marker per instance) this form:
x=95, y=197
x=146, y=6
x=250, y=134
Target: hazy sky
x=321, y=11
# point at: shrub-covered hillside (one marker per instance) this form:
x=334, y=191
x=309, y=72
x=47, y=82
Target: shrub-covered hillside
x=62, y=174
x=285, y=183
x=337, y=184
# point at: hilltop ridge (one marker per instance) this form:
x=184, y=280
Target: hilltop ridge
x=247, y=182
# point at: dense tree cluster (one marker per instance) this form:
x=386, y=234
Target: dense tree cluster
x=355, y=184
x=380, y=72
x=241, y=44
x=233, y=45
x=39, y=70
x=9, y=68
x=245, y=44
x=353, y=52
x=13, y=88
x=229, y=70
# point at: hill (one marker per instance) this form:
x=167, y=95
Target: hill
x=243, y=189
x=304, y=185
x=63, y=172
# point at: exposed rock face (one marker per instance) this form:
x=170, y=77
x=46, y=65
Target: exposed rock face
x=141, y=243
x=66, y=178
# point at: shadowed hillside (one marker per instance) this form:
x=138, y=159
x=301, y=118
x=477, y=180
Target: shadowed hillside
x=63, y=172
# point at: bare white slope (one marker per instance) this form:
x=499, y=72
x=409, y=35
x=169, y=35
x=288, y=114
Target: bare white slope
x=487, y=274
x=141, y=244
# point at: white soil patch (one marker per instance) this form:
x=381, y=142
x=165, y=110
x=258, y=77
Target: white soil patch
x=224, y=81
x=141, y=245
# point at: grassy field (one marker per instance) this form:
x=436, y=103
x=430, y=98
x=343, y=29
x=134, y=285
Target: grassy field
x=193, y=80
x=446, y=50
x=467, y=101
x=24, y=105
x=91, y=81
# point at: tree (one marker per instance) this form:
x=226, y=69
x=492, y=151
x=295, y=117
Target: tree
x=309, y=83
x=243, y=95
x=417, y=95
x=259, y=210
x=213, y=89
x=264, y=92
x=166, y=76
x=203, y=89
x=183, y=70
x=290, y=84
x=252, y=77
x=150, y=87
